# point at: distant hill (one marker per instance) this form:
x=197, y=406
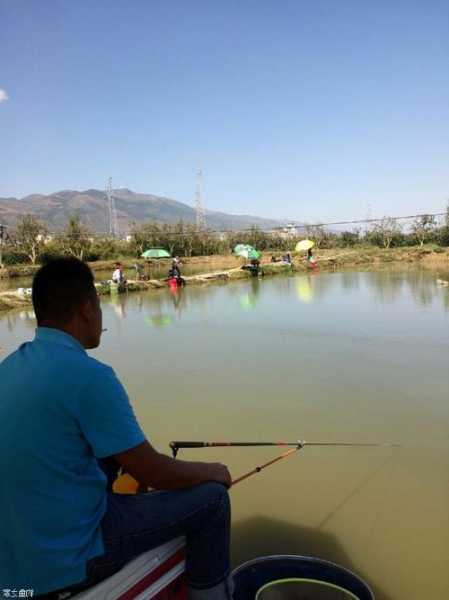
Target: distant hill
x=92, y=208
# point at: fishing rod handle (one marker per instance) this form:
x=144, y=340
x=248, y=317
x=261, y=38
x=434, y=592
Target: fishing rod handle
x=191, y=444
x=187, y=444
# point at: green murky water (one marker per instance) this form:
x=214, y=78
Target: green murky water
x=360, y=357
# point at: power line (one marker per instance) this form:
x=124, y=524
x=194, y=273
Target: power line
x=281, y=228
x=371, y=220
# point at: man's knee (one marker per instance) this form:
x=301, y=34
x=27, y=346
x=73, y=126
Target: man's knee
x=213, y=498
x=217, y=494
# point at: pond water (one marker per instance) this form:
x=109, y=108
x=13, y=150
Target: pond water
x=345, y=357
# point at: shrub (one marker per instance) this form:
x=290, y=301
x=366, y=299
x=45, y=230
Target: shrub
x=13, y=257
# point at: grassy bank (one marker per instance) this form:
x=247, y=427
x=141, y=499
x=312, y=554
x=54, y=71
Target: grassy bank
x=429, y=256
x=208, y=262
x=12, y=299
x=224, y=268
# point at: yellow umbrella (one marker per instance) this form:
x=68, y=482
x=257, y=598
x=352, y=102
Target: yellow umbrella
x=304, y=245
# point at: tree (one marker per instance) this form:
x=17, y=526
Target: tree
x=321, y=237
x=76, y=239
x=169, y=235
x=422, y=228
x=147, y=235
x=384, y=231
x=350, y=238
x=256, y=238
x=442, y=234
x=2, y=238
x=137, y=242
x=30, y=236
x=106, y=248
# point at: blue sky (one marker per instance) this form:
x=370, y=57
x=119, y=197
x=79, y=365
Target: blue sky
x=315, y=111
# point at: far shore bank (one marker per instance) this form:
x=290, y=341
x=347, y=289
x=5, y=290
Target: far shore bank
x=220, y=268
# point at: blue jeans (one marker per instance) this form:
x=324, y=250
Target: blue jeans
x=136, y=523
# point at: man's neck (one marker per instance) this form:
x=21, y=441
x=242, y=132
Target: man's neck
x=69, y=328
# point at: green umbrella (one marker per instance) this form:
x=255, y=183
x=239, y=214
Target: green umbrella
x=251, y=254
x=155, y=253
x=240, y=247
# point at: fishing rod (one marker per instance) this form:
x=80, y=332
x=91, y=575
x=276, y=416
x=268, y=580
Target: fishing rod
x=177, y=445
x=259, y=468
x=298, y=445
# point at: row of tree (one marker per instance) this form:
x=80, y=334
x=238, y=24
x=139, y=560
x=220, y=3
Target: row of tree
x=386, y=233
x=31, y=242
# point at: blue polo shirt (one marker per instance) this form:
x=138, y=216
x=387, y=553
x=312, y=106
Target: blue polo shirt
x=59, y=410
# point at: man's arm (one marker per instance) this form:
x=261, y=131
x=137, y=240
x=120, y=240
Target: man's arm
x=161, y=472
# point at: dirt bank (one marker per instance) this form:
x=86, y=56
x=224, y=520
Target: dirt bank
x=427, y=256
x=358, y=258
x=14, y=299
x=10, y=300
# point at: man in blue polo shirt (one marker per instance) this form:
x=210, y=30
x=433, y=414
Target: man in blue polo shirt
x=61, y=412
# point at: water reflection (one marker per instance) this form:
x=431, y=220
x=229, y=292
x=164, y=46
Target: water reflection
x=161, y=306
x=252, y=539
x=14, y=317
x=350, y=280
x=159, y=320
x=248, y=299
x=118, y=302
x=178, y=298
x=389, y=286
x=304, y=289
x=382, y=287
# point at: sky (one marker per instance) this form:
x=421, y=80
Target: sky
x=311, y=111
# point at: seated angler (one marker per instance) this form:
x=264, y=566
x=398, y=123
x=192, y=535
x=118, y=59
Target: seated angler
x=63, y=412
x=175, y=272
x=118, y=276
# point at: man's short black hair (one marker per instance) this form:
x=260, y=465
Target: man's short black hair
x=60, y=287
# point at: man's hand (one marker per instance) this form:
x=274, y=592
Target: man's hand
x=161, y=472
x=220, y=474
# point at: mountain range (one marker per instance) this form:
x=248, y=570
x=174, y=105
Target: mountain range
x=92, y=206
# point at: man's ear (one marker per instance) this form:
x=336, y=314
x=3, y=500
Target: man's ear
x=86, y=310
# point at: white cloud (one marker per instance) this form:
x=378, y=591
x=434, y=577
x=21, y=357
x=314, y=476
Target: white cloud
x=3, y=96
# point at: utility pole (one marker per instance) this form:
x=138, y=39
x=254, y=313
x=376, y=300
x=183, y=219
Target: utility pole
x=113, y=226
x=200, y=216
